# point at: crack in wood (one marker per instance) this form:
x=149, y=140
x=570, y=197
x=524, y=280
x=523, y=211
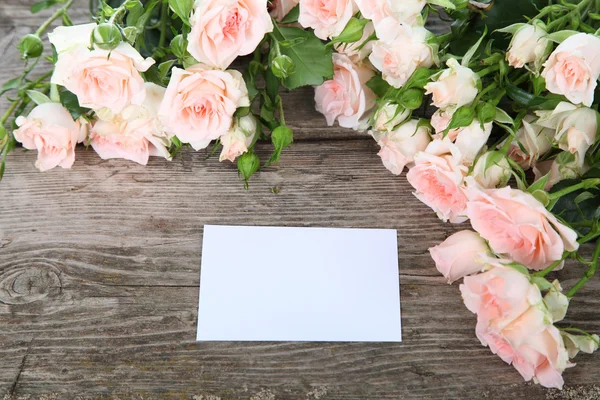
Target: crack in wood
x=13, y=387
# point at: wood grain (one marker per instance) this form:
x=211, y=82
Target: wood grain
x=99, y=276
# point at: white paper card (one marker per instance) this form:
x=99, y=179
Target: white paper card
x=299, y=284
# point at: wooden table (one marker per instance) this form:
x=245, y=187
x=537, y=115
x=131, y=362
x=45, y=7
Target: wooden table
x=99, y=274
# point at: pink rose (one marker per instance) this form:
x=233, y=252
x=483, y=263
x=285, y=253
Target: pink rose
x=404, y=11
x=238, y=139
x=135, y=134
x=516, y=224
x=573, y=68
x=492, y=169
x=471, y=139
x=440, y=121
x=535, y=139
x=455, y=87
x=459, y=255
x=346, y=97
x=528, y=45
x=438, y=178
x=97, y=79
x=400, y=50
x=398, y=147
x=222, y=30
x=541, y=356
x=199, y=103
x=280, y=8
x=327, y=17
x=50, y=129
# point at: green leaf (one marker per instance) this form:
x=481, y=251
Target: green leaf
x=471, y=52
x=443, y=3
x=540, y=184
x=541, y=282
x=70, y=102
x=2, y=167
x=281, y=138
x=135, y=12
x=419, y=78
x=527, y=99
x=312, y=59
x=42, y=5
x=11, y=84
x=183, y=9
x=353, y=31
x=248, y=163
x=164, y=68
x=38, y=97
x=503, y=117
x=560, y=36
x=292, y=16
x=378, y=85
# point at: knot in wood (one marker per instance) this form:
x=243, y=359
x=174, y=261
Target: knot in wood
x=26, y=284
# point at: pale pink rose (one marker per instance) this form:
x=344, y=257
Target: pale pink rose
x=199, y=104
x=327, y=17
x=222, y=30
x=455, y=87
x=491, y=170
x=535, y=139
x=575, y=128
x=528, y=45
x=406, y=11
x=400, y=50
x=550, y=168
x=346, y=97
x=135, y=134
x=499, y=295
x=398, y=147
x=50, y=129
x=280, y=8
x=438, y=179
x=238, y=139
x=516, y=224
x=388, y=116
x=459, y=255
x=471, y=140
x=440, y=121
x=573, y=68
x=540, y=356
x=99, y=78
x=358, y=50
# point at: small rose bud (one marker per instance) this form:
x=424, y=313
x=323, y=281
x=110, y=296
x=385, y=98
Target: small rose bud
x=388, y=116
x=31, y=46
x=106, y=36
x=492, y=170
x=248, y=163
x=283, y=66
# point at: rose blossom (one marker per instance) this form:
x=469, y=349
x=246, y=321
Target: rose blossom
x=399, y=147
x=404, y=11
x=280, y=8
x=359, y=50
x=459, y=255
x=573, y=68
x=535, y=139
x=222, y=30
x=135, y=134
x=528, y=45
x=99, y=78
x=491, y=170
x=575, y=127
x=516, y=224
x=550, y=168
x=50, y=129
x=455, y=87
x=388, y=116
x=440, y=121
x=438, y=177
x=199, y=103
x=471, y=139
x=577, y=343
x=238, y=139
x=327, y=17
x=400, y=50
x=346, y=97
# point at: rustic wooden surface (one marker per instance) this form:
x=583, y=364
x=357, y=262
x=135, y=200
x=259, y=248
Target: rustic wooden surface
x=99, y=276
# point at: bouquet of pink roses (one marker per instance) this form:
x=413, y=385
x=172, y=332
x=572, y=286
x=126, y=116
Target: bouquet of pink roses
x=512, y=146
x=508, y=99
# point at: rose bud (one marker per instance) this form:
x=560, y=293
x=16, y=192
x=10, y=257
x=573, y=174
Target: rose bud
x=106, y=36
x=492, y=170
x=31, y=46
x=459, y=255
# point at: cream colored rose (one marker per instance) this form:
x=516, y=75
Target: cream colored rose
x=492, y=170
x=528, y=45
x=222, y=30
x=360, y=49
x=460, y=255
x=388, y=116
x=345, y=98
x=471, y=140
x=239, y=138
x=99, y=78
x=398, y=147
x=135, y=134
x=454, y=87
x=327, y=17
x=200, y=102
x=535, y=139
x=50, y=129
x=405, y=11
x=573, y=68
x=400, y=50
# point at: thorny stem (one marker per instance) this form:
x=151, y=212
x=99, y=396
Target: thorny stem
x=588, y=274
x=58, y=13
x=163, y=24
x=552, y=266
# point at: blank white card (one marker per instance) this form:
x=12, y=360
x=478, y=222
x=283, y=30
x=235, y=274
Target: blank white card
x=299, y=284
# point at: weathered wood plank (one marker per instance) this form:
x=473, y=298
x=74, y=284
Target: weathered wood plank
x=99, y=274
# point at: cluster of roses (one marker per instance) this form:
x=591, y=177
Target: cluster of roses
x=455, y=173
x=127, y=117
